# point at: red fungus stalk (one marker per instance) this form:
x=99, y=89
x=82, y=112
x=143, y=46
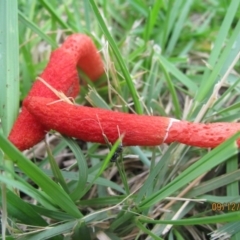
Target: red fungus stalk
x=90, y=124
x=61, y=74
x=85, y=55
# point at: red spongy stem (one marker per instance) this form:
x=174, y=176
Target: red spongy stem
x=61, y=74
x=207, y=135
x=27, y=130
x=90, y=124
x=85, y=54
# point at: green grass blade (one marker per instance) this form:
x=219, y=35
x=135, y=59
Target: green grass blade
x=48, y=6
x=233, y=190
x=147, y=187
x=119, y=58
x=144, y=229
x=9, y=64
x=96, y=100
x=215, y=157
x=152, y=18
x=230, y=229
x=224, y=64
x=52, y=231
x=220, y=39
x=228, y=217
x=138, y=151
x=178, y=113
x=231, y=166
x=178, y=74
x=57, y=215
x=29, y=190
x=172, y=11
x=33, y=172
x=178, y=26
x=9, y=85
x=123, y=175
x=22, y=211
x=82, y=168
x=56, y=171
x=36, y=29
x=105, y=163
x=215, y=61
x=214, y=183
x=100, y=181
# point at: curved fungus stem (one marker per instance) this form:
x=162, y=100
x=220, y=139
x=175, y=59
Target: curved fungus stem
x=84, y=123
x=61, y=73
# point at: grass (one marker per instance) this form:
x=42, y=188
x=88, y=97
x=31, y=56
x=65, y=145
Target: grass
x=170, y=58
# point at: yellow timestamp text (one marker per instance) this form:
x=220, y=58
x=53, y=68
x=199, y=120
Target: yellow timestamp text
x=231, y=206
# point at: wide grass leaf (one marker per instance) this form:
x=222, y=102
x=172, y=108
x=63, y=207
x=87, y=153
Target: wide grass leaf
x=53, y=190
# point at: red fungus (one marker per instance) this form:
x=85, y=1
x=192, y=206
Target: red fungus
x=61, y=74
x=85, y=55
x=207, y=135
x=90, y=124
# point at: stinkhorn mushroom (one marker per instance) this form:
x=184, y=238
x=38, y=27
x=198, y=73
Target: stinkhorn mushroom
x=91, y=124
x=61, y=74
